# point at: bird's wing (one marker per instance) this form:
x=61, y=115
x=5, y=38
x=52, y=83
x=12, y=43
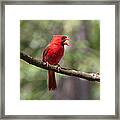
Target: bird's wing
x=45, y=52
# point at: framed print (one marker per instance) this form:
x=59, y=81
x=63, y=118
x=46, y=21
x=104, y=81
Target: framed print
x=60, y=59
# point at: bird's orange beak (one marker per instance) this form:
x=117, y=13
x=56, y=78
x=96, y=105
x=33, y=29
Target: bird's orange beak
x=66, y=40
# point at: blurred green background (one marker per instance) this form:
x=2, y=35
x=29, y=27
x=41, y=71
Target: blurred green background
x=83, y=55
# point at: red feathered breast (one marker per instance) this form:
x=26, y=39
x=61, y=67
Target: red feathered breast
x=53, y=53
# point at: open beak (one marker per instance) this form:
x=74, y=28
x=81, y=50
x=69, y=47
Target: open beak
x=66, y=41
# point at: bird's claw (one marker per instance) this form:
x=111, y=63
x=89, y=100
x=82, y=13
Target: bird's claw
x=58, y=67
x=45, y=63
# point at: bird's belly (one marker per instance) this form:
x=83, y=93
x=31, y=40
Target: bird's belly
x=55, y=56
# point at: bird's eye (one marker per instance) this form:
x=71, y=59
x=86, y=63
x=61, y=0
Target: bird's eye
x=63, y=37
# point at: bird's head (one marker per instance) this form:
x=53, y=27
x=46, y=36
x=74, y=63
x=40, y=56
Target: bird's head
x=60, y=39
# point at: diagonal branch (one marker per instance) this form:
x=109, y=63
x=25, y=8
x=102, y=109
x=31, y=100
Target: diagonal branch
x=66, y=71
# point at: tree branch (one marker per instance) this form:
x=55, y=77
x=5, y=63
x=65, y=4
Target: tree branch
x=66, y=71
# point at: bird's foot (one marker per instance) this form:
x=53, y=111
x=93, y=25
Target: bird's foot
x=46, y=63
x=58, y=67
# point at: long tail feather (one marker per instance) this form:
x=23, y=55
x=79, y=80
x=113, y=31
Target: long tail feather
x=51, y=80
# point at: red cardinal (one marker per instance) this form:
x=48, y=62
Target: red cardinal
x=53, y=54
